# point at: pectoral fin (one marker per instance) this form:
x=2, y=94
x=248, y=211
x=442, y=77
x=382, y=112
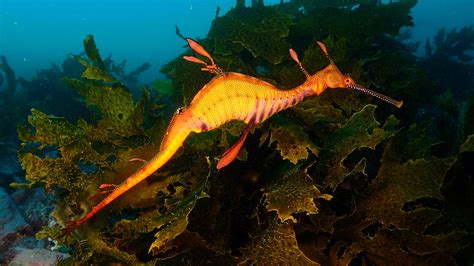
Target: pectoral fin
x=230, y=154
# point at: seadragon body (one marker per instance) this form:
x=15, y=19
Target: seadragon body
x=230, y=96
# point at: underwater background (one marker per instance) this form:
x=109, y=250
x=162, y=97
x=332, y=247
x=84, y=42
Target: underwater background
x=340, y=179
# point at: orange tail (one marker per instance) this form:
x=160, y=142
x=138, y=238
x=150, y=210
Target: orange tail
x=177, y=132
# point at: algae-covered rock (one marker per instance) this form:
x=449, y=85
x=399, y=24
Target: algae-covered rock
x=11, y=221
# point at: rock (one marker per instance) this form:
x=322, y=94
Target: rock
x=36, y=207
x=30, y=242
x=37, y=256
x=11, y=220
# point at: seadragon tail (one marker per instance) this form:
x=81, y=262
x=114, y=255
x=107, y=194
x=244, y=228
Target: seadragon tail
x=176, y=134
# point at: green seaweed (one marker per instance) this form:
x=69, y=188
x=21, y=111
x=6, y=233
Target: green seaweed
x=361, y=131
x=294, y=193
x=395, y=190
x=292, y=142
x=275, y=245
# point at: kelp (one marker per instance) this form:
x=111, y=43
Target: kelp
x=339, y=179
x=276, y=245
x=291, y=141
x=294, y=193
x=360, y=131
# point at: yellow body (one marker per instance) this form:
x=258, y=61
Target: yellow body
x=234, y=96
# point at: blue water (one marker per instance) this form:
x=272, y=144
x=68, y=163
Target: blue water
x=34, y=33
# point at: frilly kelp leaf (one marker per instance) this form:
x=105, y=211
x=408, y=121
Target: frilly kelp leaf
x=401, y=193
x=390, y=245
x=292, y=141
x=95, y=69
x=468, y=145
x=50, y=130
x=53, y=172
x=91, y=51
x=175, y=223
x=58, y=132
x=111, y=253
x=260, y=32
x=166, y=204
x=97, y=73
x=360, y=131
x=274, y=246
x=120, y=114
x=417, y=142
x=293, y=193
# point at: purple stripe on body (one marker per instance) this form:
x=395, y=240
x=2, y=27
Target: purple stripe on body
x=251, y=116
x=290, y=102
x=261, y=111
x=203, y=126
x=301, y=96
x=269, y=112
x=286, y=103
x=274, y=107
x=278, y=105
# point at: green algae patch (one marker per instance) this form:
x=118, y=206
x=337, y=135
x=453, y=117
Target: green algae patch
x=397, y=191
x=172, y=225
x=293, y=194
x=468, y=145
x=362, y=130
x=258, y=31
x=275, y=245
x=95, y=68
x=50, y=130
x=53, y=172
x=120, y=114
x=401, y=245
x=292, y=142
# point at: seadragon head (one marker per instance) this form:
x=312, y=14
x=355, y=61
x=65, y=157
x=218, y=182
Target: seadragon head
x=332, y=77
